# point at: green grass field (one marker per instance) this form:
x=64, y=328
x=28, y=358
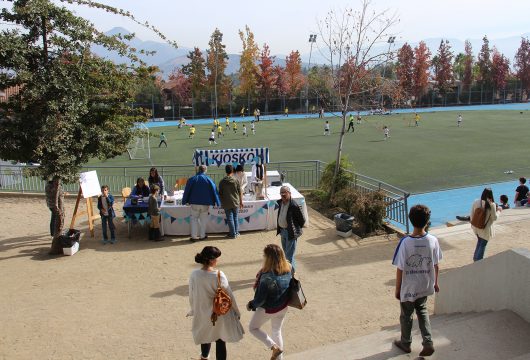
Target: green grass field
x=435, y=155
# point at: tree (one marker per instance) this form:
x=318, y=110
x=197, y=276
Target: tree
x=179, y=86
x=484, y=62
x=405, y=68
x=293, y=74
x=266, y=75
x=522, y=64
x=216, y=64
x=468, y=66
x=459, y=66
x=444, y=70
x=422, y=64
x=500, y=69
x=195, y=70
x=248, y=70
x=149, y=89
x=281, y=80
x=350, y=37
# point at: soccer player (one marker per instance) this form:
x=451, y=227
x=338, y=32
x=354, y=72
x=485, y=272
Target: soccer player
x=212, y=138
x=192, y=132
x=459, y=120
x=416, y=119
x=253, y=127
x=219, y=131
x=245, y=130
x=326, y=128
x=227, y=122
x=234, y=126
x=386, y=131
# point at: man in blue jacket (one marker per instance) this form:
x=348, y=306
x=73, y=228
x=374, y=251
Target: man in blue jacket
x=200, y=193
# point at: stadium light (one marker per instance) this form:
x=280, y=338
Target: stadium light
x=312, y=40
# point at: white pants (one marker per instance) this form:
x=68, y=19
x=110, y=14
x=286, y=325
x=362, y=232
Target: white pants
x=199, y=218
x=259, y=319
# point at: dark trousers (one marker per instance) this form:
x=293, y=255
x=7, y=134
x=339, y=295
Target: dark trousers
x=220, y=350
x=351, y=127
x=407, y=309
x=162, y=142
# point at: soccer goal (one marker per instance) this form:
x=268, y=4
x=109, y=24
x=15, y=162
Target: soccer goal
x=139, y=146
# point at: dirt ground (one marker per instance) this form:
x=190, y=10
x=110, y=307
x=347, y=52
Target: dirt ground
x=129, y=300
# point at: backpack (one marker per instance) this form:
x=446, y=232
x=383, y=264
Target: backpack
x=222, y=302
x=478, y=219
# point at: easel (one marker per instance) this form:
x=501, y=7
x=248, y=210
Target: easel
x=89, y=212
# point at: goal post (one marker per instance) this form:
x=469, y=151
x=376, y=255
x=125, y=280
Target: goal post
x=139, y=147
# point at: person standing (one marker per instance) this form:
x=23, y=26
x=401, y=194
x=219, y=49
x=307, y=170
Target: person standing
x=258, y=114
x=155, y=179
x=386, y=132
x=162, y=139
x=459, y=120
x=202, y=289
x=154, y=212
x=350, y=125
x=192, y=132
x=321, y=113
x=231, y=200
x=271, y=298
x=200, y=193
x=326, y=128
x=286, y=111
x=241, y=177
x=253, y=127
x=211, y=139
x=359, y=119
x=245, y=130
x=55, y=202
x=106, y=211
x=492, y=212
x=219, y=131
x=521, y=193
x=416, y=258
x=416, y=119
x=289, y=223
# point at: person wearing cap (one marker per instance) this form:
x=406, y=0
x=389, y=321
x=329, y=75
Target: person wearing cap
x=289, y=224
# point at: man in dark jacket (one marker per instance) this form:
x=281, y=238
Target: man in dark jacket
x=290, y=223
x=231, y=200
x=200, y=193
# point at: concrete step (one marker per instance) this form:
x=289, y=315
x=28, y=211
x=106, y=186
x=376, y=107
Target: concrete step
x=488, y=335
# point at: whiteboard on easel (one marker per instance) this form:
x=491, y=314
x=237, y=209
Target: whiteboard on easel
x=90, y=184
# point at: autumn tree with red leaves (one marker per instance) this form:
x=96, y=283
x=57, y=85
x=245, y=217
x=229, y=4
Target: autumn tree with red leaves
x=422, y=63
x=405, y=68
x=522, y=64
x=294, y=78
x=484, y=63
x=266, y=75
x=179, y=86
x=444, y=68
x=468, y=66
x=500, y=69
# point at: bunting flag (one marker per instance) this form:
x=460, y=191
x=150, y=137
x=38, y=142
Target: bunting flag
x=141, y=221
x=247, y=219
x=187, y=219
x=276, y=206
x=261, y=211
x=220, y=219
x=126, y=219
x=273, y=203
x=240, y=221
x=141, y=216
x=172, y=219
x=266, y=206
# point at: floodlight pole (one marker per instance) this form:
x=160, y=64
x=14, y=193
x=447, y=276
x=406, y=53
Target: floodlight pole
x=312, y=40
x=390, y=41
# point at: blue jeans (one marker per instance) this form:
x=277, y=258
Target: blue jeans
x=479, y=250
x=233, y=221
x=104, y=221
x=288, y=246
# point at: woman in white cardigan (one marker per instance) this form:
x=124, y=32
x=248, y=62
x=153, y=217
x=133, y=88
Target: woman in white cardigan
x=492, y=213
x=202, y=288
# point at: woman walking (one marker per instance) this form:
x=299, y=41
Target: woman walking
x=271, y=298
x=202, y=289
x=490, y=213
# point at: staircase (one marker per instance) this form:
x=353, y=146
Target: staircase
x=498, y=335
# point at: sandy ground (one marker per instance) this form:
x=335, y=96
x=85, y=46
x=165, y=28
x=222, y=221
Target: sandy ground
x=129, y=300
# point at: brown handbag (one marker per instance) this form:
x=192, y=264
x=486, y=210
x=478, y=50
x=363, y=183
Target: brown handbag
x=222, y=302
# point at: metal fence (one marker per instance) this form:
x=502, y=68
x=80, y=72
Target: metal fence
x=303, y=175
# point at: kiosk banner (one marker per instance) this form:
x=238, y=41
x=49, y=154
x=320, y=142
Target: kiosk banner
x=231, y=156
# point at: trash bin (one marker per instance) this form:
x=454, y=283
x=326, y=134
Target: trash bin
x=343, y=222
x=69, y=238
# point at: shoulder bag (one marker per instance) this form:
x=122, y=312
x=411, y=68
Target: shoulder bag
x=222, y=303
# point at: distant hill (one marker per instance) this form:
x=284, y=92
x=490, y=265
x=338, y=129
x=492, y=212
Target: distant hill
x=167, y=57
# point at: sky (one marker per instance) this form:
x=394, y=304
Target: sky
x=285, y=25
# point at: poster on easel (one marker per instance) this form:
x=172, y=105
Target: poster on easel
x=90, y=184
x=88, y=187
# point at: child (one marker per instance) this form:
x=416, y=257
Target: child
x=359, y=118
x=326, y=128
x=162, y=139
x=227, y=122
x=192, y=132
x=459, y=120
x=106, y=211
x=386, y=131
x=154, y=213
x=212, y=138
x=416, y=119
x=244, y=130
x=416, y=258
x=234, y=126
x=253, y=127
x=504, y=202
x=219, y=131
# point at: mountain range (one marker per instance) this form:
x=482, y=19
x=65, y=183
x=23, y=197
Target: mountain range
x=167, y=58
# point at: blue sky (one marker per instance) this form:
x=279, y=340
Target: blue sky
x=285, y=25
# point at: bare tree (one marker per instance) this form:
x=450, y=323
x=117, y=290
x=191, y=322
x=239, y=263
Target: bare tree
x=351, y=40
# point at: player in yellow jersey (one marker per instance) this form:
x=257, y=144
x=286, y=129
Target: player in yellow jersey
x=227, y=122
x=416, y=119
x=234, y=126
x=192, y=132
x=219, y=131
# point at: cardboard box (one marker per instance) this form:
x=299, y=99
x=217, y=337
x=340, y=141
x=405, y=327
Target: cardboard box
x=71, y=250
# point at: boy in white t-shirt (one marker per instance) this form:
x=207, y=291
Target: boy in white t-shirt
x=416, y=258
x=212, y=138
x=326, y=128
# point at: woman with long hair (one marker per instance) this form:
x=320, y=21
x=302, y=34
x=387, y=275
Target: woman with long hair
x=271, y=299
x=492, y=212
x=202, y=289
x=155, y=179
x=140, y=189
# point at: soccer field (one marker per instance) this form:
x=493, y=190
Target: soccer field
x=434, y=155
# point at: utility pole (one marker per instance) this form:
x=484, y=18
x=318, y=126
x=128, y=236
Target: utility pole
x=312, y=40
x=390, y=41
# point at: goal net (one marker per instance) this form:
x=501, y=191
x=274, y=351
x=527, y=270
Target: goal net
x=139, y=147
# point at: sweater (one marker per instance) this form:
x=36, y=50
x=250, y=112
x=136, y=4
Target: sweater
x=200, y=190
x=230, y=192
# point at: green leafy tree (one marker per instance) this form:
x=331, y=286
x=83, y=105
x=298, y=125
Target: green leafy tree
x=484, y=63
x=468, y=66
x=195, y=70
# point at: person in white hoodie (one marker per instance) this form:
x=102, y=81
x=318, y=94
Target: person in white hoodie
x=492, y=212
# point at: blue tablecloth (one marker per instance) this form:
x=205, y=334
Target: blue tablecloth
x=136, y=213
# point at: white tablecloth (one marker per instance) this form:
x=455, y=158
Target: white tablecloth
x=255, y=215
x=272, y=175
